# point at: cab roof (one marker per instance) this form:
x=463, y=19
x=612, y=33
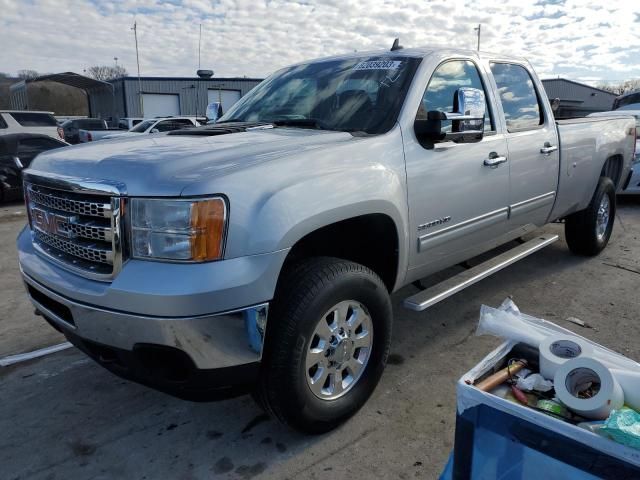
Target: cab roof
x=417, y=52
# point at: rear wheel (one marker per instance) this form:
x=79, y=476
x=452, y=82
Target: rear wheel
x=588, y=231
x=327, y=343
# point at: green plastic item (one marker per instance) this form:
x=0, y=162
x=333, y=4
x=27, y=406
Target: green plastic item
x=623, y=426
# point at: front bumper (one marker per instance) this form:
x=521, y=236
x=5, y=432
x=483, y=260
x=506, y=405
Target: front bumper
x=208, y=319
x=210, y=341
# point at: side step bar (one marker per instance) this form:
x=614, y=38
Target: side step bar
x=423, y=300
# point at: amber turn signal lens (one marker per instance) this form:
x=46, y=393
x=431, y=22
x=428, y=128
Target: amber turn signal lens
x=208, y=225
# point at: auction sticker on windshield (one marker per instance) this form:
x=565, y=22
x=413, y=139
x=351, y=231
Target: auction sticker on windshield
x=378, y=65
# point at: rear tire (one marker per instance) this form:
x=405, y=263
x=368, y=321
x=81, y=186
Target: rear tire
x=327, y=343
x=588, y=231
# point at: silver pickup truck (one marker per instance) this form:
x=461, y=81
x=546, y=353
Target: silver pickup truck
x=260, y=253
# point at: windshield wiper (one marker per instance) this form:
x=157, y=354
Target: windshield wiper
x=302, y=123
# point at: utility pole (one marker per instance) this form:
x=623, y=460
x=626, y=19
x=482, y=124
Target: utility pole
x=115, y=59
x=199, y=42
x=478, y=29
x=135, y=34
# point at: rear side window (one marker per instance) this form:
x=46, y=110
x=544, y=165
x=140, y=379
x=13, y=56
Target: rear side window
x=518, y=96
x=37, y=145
x=31, y=119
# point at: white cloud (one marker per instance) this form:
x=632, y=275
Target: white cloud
x=577, y=39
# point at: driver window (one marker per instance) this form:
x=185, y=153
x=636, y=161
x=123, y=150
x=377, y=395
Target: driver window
x=440, y=92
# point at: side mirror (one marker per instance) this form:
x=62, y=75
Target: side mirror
x=154, y=130
x=467, y=119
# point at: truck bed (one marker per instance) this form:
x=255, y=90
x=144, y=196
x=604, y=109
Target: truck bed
x=585, y=145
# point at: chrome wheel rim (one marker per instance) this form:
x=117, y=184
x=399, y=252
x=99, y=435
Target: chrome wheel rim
x=602, y=221
x=339, y=350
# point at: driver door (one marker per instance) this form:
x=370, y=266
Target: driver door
x=457, y=204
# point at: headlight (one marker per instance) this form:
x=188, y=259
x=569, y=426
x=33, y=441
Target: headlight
x=178, y=230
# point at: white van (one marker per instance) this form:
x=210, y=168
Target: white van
x=27, y=121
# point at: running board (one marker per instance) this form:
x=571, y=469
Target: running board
x=423, y=300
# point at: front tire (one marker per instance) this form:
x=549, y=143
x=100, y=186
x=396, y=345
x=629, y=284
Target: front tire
x=327, y=343
x=588, y=231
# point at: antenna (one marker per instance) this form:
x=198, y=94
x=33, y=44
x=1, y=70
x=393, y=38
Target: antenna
x=396, y=45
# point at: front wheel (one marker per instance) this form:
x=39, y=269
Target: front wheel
x=588, y=231
x=327, y=343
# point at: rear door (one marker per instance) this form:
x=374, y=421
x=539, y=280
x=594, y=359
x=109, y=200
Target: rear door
x=456, y=202
x=532, y=144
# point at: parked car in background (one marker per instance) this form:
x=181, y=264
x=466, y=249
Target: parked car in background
x=157, y=125
x=631, y=186
x=26, y=121
x=17, y=150
x=85, y=136
x=72, y=128
x=129, y=122
x=628, y=101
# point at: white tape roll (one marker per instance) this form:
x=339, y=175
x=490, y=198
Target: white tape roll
x=556, y=349
x=630, y=383
x=576, y=375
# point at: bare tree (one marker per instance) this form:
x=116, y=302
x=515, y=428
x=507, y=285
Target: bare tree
x=106, y=72
x=27, y=74
x=622, y=87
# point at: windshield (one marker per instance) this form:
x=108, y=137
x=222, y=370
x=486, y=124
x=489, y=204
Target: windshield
x=356, y=94
x=142, y=126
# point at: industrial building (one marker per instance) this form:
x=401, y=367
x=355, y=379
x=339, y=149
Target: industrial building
x=156, y=96
x=577, y=99
x=145, y=96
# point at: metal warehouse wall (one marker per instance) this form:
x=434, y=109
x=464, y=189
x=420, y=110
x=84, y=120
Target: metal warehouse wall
x=125, y=101
x=577, y=99
x=18, y=94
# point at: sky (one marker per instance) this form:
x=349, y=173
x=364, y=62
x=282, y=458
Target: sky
x=584, y=40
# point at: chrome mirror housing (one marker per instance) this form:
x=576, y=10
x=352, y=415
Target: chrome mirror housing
x=469, y=110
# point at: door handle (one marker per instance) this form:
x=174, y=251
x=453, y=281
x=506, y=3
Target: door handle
x=494, y=160
x=548, y=149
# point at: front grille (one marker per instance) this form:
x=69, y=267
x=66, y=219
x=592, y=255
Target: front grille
x=77, y=230
x=61, y=201
x=91, y=252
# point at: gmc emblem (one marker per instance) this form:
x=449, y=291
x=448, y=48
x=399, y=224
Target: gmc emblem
x=51, y=223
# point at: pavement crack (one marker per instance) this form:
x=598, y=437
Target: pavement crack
x=622, y=267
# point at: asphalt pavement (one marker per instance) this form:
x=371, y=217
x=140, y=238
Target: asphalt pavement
x=64, y=417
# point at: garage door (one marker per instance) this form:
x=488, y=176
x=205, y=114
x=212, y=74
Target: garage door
x=157, y=105
x=227, y=97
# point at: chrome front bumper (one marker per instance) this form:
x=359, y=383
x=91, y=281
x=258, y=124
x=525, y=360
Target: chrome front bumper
x=219, y=340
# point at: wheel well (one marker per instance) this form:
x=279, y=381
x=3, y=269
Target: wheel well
x=612, y=168
x=371, y=240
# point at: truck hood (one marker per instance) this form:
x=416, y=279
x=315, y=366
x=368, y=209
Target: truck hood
x=163, y=165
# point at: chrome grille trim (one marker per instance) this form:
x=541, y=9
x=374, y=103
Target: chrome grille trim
x=64, y=204
x=92, y=253
x=77, y=223
x=90, y=231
